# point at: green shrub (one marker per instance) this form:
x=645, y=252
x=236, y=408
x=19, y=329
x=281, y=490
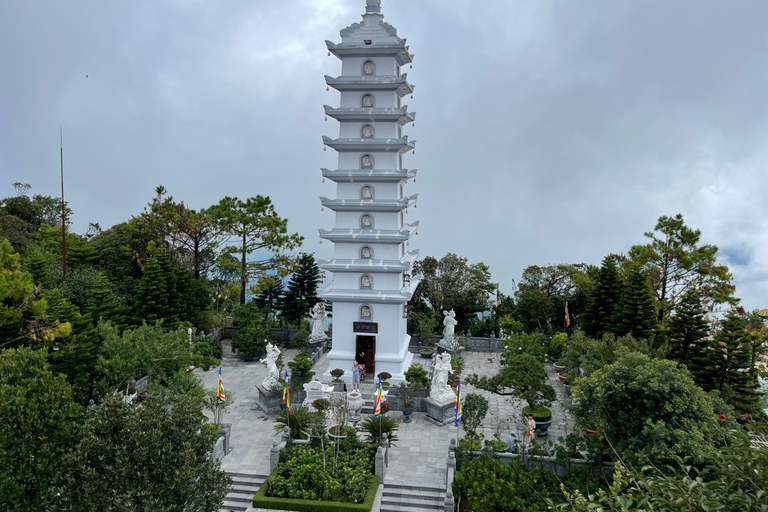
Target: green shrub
x=249, y=341
x=301, y=371
x=262, y=501
x=417, y=375
x=300, y=340
x=341, y=472
x=540, y=414
x=375, y=427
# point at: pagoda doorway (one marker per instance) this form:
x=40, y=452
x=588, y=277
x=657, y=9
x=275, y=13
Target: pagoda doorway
x=365, y=353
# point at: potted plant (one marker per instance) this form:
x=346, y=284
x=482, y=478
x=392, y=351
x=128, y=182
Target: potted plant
x=457, y=368
x=407, y=402
x=417, y=376
x=337, y=374
x=384, y=376
x=339, y=411
x=426, y=352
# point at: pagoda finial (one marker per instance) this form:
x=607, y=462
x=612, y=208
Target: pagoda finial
x=372, y=6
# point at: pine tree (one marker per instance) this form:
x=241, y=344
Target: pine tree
x=302, y=289
x=598, y=318
x=688, y=329
x=37, y=264
x=271, y=298
x=727, y=367
x=103, y=303
x=635, y=314
x=151, y=296
x=81, y=254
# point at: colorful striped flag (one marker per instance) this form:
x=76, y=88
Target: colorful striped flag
x=220, y=396
x=287, y=394
x=377, y=407
x=567, y=316
x=457, y=405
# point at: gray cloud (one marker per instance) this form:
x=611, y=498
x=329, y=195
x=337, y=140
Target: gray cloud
x=547, y=131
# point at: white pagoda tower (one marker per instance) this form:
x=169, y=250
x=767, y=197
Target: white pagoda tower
x=371, y=263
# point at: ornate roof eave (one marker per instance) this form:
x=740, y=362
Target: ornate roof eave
x=372, y=83
x=373, y=205
x=400, y=115
x=398, y=145
x=361, y=265
x=385, y=236
x=365, y=296
x=373, y=266
x=368, y=175
x=376, y=49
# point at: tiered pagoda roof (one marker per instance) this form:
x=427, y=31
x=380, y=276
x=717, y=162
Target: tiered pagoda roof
x=375, y=205
x=371, y=83
x=402, y=145
x=368, y=175
x=401, y=115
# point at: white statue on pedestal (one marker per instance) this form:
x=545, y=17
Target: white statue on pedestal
x=441, y=391
x=318, y=323
x=449, y=322
x=271, y=380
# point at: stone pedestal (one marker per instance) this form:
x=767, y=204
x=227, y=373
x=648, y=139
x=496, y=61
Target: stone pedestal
x=269, y=399
x=355, y=403
x=440, y=414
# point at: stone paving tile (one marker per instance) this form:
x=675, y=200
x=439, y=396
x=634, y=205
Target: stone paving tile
x=420, y=457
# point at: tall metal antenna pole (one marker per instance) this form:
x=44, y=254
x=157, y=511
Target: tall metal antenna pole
x=63, y=208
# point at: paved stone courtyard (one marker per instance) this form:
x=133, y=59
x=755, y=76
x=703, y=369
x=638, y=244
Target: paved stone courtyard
x=420, y=456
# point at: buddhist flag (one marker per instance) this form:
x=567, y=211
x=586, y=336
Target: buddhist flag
x=287, y=394
x=377, y=407
x=457, y=405
x=220, y=396
x=567, y=316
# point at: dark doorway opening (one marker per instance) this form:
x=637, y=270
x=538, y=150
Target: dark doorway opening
x=365, y=350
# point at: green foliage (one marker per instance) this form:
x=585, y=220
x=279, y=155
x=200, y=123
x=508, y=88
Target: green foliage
x=598, y=317
x=140, y=351
x=541, y=294
x=532, y=344
x=522, y=376
x=636, y=312
x=540, y=414
x=167, y=438
x=376, y=427
x=424, y=326
x=103, y=303
x=332, y=473
x=474, y=409
x=406, y=395
x=687, y=329
x=677, y=263
x=727, y=365
x=417, y=375
x=301, y=370
x=487, y=484
x=256, y=228
x=301, y=294
x=590, y=354
x=152, y=293
x=732, y=481
x=557, y=345
x=249, y=339
x=300, y=340
x=17, y=297
x=261, y=501
x=669, y=414
x=38, y=426
x=299, y=421
x=452, y=283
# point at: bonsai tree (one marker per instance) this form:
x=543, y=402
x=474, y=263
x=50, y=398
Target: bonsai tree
x=474, y=409
x=417, y=376
x=336, y=374
x=523, y=377
x=405, y=394
x=384, y=376
x=457, y=368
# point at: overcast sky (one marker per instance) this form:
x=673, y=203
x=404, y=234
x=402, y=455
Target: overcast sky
x=547, y=131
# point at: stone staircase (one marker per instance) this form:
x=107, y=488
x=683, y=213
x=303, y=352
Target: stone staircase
x=240, y=495
x=411, y=498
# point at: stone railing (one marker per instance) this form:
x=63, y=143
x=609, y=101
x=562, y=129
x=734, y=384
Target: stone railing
x=468, y=342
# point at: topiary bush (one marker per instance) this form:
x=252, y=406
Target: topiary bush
x=417, y=375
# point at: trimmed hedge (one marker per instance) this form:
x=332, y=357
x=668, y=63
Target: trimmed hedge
x=261, y=501
x=540, y=414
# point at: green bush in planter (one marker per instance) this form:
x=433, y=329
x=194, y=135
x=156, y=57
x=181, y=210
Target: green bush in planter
x=249, y=341
x=540, y=414
x=417, y=375
x=375, y=427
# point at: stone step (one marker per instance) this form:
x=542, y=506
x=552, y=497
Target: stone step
x=240, y=495
x=411, y=498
